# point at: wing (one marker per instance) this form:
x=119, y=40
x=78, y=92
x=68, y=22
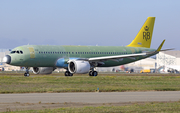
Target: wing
x=115, y=57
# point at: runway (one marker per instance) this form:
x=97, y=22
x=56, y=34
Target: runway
x=92, y=97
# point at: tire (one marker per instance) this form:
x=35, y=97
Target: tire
x=70, y=74
x=95, y=73
x=26, y=74
x=67, y=73
x=90, y=73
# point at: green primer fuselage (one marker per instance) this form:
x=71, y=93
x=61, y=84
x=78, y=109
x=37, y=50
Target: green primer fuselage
x=47, y=56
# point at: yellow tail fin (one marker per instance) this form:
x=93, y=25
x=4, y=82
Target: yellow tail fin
x=143, y=38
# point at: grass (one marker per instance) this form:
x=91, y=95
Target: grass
x=17, y=83
x=153, y=107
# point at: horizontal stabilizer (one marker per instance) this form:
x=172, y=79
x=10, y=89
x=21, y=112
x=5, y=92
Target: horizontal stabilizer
x=167, y=49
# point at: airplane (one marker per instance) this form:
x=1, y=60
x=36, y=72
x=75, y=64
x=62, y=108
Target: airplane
x=44, y=59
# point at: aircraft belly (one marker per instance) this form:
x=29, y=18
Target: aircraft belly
x=123, y=61
x=110, y=63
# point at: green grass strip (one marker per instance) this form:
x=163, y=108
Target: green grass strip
x=152, y=107
x=41, y=84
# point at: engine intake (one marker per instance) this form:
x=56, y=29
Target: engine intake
x=78, y=66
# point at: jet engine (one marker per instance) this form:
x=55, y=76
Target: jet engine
x=79, y=66
x=42, y=70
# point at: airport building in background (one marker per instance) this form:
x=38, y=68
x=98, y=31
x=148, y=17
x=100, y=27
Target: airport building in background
x=168, y=58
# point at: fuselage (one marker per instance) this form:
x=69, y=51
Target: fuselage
x=47, y=56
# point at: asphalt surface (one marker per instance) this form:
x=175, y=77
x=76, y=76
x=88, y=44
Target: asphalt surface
x=92, y=97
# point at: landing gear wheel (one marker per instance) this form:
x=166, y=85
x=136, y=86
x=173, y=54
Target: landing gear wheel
x=90, y=73
x=26, y=74
x=93, y=73
x=67, y=73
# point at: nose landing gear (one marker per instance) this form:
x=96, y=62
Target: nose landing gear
x=26, y=74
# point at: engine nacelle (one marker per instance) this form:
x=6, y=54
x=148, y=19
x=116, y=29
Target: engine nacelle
x=79, y=66
x=42, y=70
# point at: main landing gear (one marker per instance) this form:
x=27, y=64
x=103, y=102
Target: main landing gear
x=26, y=74
x=93, y=73
x=67, y=73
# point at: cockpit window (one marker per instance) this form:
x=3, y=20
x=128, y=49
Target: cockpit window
x=18, y=52
x=13, y=52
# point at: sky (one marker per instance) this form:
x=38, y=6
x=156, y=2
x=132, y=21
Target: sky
x=87, y=22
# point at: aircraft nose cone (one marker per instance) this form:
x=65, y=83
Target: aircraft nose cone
x=7, y=59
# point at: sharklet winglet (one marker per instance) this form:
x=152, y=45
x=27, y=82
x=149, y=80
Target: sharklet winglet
x=159, y=48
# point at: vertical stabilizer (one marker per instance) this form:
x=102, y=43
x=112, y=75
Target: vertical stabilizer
x=143, y=38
